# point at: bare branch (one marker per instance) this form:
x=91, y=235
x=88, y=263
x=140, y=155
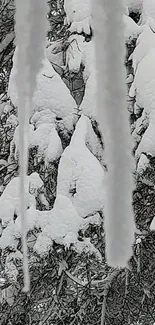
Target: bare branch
x=7, y=40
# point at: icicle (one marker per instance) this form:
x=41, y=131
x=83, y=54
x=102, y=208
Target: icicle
x=37, y=40
x=114, y=120
x=30, y=31
x=22, y=28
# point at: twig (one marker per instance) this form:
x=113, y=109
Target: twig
x=48, y=314
x=110, y=278
x=60, y=284
x=103, y=313
x=75, y=279
x=126, y=281
x=7, y=40
x=50, y=77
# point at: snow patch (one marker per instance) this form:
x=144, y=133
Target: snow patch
x=148, y=9
x=55, y=224
x=143, y=163
x=147, y=144
x=145, y=43
x=132, y=30
x=144, y=83
x=10, y=198
x=74, y=53
x=47, y=95
x=45, y=138
x=89, y=102
x=80, y=175
x=78, y=15
x=134, y=6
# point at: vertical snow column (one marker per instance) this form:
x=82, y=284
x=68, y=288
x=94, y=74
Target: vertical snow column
x=30, y=28
x=114, y=123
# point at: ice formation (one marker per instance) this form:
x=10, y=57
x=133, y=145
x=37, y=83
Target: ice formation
x=113, y=117
x=30, y=29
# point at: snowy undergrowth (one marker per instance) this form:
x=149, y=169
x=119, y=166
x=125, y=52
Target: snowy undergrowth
x=80, y=171
x=10, y=198
x=143, y=89
x=80, y=182
x=134, y=6
x=51, y=245
x=79, y=20
x=61, y=225
x=44, y=124
x=148, y=10
x=44, y=137
x=52, y=112
x=80, y=175
x=47, y=95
